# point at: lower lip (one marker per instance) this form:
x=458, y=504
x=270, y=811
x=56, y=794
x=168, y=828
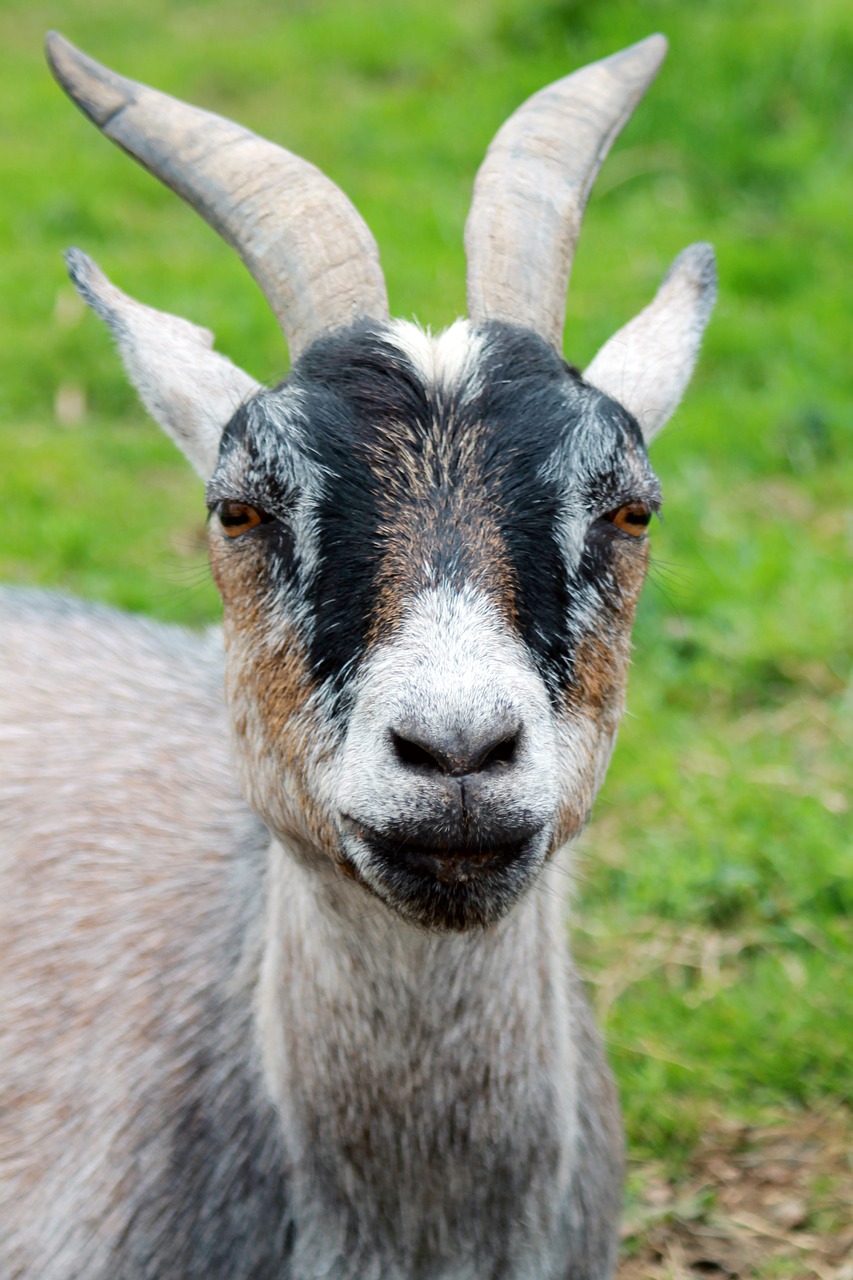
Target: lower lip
x=456, y=868
x=448, y=866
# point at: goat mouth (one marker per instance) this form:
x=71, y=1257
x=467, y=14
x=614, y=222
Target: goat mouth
x=451, y=862
x=452, y=886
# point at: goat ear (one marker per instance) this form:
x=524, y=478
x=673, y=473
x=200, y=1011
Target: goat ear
x=191, y=390
x=647, y=364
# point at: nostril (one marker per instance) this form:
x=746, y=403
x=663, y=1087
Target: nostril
x=502, y=752
x=455, y=754
x=414, y=755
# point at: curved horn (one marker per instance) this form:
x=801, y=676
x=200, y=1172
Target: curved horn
x=532, y=188
x=303, y=242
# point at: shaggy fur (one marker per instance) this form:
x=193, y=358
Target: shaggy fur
x=414, y=1135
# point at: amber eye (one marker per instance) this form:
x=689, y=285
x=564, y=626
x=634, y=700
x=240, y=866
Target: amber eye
x=237, y=518
x=633, y=518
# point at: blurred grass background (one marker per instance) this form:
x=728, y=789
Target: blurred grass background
x=716, y=880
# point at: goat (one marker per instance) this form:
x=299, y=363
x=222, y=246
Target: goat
x=286, y=990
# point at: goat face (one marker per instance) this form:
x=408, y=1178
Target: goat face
x=428, y=604
x=429, y=550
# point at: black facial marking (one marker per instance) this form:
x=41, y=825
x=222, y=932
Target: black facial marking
x=516, y=446
x=567, y=443
x=359, y=390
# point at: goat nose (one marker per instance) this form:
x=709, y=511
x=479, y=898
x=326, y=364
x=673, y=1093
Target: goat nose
x=458, y=751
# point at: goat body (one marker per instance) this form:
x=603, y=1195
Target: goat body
x=428, y=1104
x=285, y=985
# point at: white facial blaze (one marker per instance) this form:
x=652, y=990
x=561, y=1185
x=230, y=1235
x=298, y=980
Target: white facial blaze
x=453, y=663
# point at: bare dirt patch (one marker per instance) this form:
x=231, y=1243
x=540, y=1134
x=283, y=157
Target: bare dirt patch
x=774, y=1201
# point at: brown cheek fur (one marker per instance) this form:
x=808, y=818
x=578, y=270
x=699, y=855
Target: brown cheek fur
x=602, y=657
x=431, y=496
x=271, y=695
x=597, y=693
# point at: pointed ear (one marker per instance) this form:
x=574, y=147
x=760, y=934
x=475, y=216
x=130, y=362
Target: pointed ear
x=186, y=386
x=647, y=364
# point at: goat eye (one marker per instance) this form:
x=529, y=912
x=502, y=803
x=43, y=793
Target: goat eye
x=237, y=518
x=633, y=518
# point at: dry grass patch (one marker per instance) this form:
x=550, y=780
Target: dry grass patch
x=774, y=1201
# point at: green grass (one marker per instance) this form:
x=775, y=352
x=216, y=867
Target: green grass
x=717, y=878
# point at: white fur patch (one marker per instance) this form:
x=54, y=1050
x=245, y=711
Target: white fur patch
x=453, y=662
x=449, y=360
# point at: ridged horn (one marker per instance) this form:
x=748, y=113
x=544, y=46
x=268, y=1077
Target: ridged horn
x=532, y=188
x=304, y=243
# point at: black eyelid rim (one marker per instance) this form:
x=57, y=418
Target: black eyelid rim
x=647, y=514
x=617, y=501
